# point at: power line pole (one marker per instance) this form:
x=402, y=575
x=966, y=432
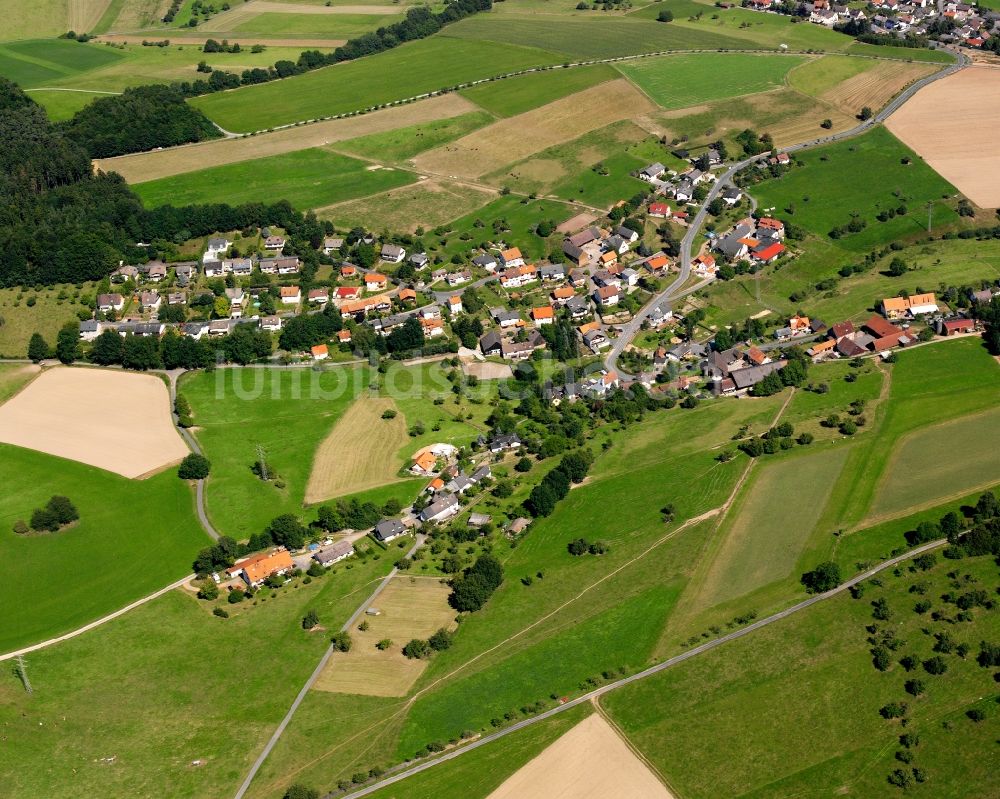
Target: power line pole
x=262, y=462
x=22, y=672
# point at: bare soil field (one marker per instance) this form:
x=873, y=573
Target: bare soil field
x=963, y=148
x=141, y=167
x=518, y=137
x=487, y=370
x=411, y=607
x=360, y=452
x=244, y=41
x=807, y=126
x=576, y=223
x=875, y=87
x=113, y=420
x=591, y=761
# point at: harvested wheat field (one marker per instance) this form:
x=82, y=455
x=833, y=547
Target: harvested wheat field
x=876, y=86
x=118, y=421
x=411, y=607
x=961, y=147
x=360, y=452
x=591, y=761
x=518, y=137
x=141, y=167
x=796, y=130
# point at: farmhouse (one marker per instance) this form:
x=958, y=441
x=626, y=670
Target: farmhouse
x=951, y=327
x=388, y=529
x=912, y=306
x=257, y=568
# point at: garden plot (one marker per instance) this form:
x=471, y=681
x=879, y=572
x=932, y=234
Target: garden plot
x=112, y=420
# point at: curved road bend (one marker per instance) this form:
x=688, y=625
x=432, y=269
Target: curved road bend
x=319, y=670
x=673, y=291
x=642, y=675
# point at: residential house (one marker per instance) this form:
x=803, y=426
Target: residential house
x=799, y=325
x=327, y=556
x=626, y=234
x=902, y=307
x=123, y=273
x=511, y=258
x=215, y=248
x=176, y=298
x=577, y=307
x=332, y=244
x=657, y=265
x=419, y=260
x=194, y=330
x=344, y=293
x=348, y=271
x=543, y=315
x=731, y=196
x=156, y=272
x=290, y=295
x=629, y=277
x=607, y=296
x=185, y=273
x=551, y=273
x=110, y=302
x=257, y=568
x=274, y=243
x=659, y=210
x=774, y=227
x=562, y=294
x=491, y=343
x=651, y=172
x=374, y=281
x=388, y=530
x=705, y=266
x=270, y=324
x=241, y=267
x=485, y=261
x=455, y=305
x=344, y=336
x=149, y=300
x=432, y=327
x=504, y=317
x=318, y=296
x=407, y=295
x=218, y=327
x=458, y=278
x=440, y=509
x=520, y=350
x=660, y=315
x=89, y=329
x=392, y=253
x=320, y=352
x=236, y=297
x=501, y=442
x=596, y=340
x=518, y=276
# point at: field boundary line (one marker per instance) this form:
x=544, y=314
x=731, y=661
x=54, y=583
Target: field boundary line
x=616, y=728
x=645, y=673
x=97, y=622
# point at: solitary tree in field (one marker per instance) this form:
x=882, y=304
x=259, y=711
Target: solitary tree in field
x=194, y=467
x=823, y=578
x=38, y=349
x=310, y=620
x=666, y=15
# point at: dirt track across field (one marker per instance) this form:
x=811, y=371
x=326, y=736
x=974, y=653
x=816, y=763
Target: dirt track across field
x=962, y=147
x=360, y=452
x=523, y=135
x=591, y=761
x=118, y=421
x=141, y=167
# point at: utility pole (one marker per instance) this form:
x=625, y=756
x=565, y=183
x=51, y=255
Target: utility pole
x=262, y=461
x=22, y=672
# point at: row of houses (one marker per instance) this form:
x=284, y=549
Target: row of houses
x=756, y=240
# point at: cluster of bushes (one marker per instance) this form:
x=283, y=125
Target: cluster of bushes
x=982, y=539
x=56, y=514
x=175, y=6
x=476, y=584
x=774, y=440
x=245, y=344
x=754, y=143
x=715, y=630
x=856, y=225
x=580, y=546
x=418, y=648
x=419, y=23
x=306, y=330
x=182, y=408
x=793, y=373
x=555, y=485
x=353, y=514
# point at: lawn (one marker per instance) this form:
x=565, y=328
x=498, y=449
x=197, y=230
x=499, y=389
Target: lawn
x=505, y=98
x=52, y=308
x=940, y=462
x=401, y=144
x=306, y=178
x=586, y=38
x=87, y=730
x=793, y=709
x=133, y=537
x=860, y=176
x=681, y=81
x=417, y=67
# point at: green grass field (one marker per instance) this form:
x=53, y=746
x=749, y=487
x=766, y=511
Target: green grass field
x=679, y=81
x=506, y=98
x=597, y=37
x=901, y=53
x=397, y=146
x=89, y=728
x=772, y=522
x=133, y=537
x=417, y=67
x=314, y=26
x=426, y=204
x=817, y=196
x=817, y=75
x=939, y=462
x=52, y=308
x=306, y=178
x=41, y=62
x=793, y=709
